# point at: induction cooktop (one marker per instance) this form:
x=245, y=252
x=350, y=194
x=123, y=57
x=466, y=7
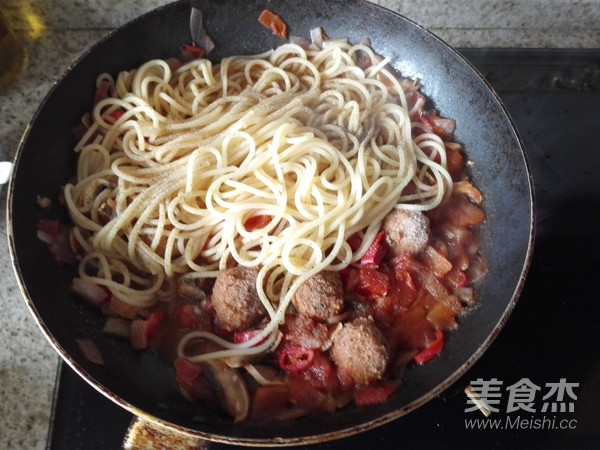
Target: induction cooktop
x=542, y=374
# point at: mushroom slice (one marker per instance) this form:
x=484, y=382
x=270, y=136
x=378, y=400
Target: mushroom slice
x=93, y=190
x=230, y=388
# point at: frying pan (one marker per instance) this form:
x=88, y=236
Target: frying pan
x=143, y=383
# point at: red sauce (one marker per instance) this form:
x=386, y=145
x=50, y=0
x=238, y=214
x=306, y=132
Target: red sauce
x=414, y=300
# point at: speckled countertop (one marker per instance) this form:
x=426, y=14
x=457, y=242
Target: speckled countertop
x=56, y=32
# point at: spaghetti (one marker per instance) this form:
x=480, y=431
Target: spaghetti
x=316, y=141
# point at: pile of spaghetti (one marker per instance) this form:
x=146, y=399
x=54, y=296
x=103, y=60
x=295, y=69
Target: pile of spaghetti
x=270, y=161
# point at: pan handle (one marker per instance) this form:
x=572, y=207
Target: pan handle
x=6, y=167
x=5, y=171
x=144, y=434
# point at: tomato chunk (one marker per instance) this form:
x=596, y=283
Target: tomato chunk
x=143, y=330
x=269, y=401
x=371, y=283
x=304, y=395
x=190, y=378
x=190, y=316
x=374, y=394
x=443, y=127
x=154, y=322
x=274, y=23
x=403, y=288
x=455, y=162
x=349, y=276
x=322, y=375
x=456, y=279
x=186, y=370
x=354, y=242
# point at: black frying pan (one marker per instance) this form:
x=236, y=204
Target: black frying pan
x=145, y=384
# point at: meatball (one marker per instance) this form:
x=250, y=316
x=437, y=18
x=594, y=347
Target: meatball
x=360, y=351
x=320, y=296
x=235, y=299
x=406, y=231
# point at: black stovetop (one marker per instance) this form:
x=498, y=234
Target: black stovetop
x=554, y=99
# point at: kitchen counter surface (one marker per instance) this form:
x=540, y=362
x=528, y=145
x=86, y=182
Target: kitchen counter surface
x=57, y=32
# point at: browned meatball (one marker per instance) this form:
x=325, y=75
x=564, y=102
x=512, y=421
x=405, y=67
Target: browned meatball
x=235, y=300
x=360, y=351
x=320, y=296
x=406, y=231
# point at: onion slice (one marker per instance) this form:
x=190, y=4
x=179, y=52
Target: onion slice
x=199, y=35
x=90, y=351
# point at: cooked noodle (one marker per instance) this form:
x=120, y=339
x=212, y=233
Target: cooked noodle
x=315, y=139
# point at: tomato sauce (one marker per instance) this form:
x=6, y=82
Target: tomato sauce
x=415, y=300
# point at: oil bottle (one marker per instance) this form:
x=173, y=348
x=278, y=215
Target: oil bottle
x=12, y=54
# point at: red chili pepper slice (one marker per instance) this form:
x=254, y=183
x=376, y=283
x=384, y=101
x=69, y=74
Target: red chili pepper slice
x=296, y=359
x=375, y=253
x=256, y=222
x=239, y=337
x=434, y=349
x=222, y=332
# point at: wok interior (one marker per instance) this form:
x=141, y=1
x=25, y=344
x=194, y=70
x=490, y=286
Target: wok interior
x=142, y=382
